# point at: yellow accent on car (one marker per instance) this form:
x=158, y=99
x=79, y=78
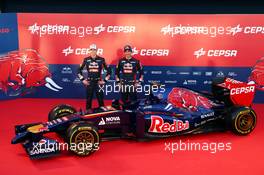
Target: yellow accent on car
x=35, y=129
x=100, y=113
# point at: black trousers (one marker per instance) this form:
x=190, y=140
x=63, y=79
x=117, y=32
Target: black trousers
x=128, y=92
x=92, y=88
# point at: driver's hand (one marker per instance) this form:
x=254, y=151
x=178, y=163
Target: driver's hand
x=101, y=82
x=118, y=82
x=137, y=83
x=86, y=82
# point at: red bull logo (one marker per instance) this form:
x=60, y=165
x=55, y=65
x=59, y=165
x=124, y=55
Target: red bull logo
x=159, y=126
x=24, y=70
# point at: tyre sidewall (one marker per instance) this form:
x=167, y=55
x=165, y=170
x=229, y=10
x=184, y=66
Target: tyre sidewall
x=61, y=111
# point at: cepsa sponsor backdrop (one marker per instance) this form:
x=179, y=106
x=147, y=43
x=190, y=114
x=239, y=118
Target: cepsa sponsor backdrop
x=177, y=50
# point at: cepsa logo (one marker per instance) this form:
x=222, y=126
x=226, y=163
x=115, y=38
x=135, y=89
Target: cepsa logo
x=80, y=51
x=151, y=52
x=242, y=90
x=159, y=126
x=80, y=31
x=4, y=30
x=211, y=31
x=215, y=53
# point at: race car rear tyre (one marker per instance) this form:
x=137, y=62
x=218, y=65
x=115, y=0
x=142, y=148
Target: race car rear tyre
x=61, y=111
x=242, y=120
x=83, y=138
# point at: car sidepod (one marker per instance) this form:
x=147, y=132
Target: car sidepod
x=158, y=121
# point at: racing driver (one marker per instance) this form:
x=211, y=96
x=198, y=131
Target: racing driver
x=94, y=65
x=127, y=70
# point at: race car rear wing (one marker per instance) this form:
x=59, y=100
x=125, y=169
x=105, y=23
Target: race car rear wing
x=233, y=92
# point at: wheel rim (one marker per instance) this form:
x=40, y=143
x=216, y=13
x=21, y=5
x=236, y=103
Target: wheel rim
x=84, y=137
x=245, y=122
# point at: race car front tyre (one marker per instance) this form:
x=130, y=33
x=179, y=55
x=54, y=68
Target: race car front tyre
x=83, y=138
x=61, y=111
x=242, y=120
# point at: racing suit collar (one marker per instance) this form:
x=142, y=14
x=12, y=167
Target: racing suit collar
x=94, y=58
x=130, y=58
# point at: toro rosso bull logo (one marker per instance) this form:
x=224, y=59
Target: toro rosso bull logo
x=24, y=70
x=159, y=126
x=257, y=74
x=184, y=98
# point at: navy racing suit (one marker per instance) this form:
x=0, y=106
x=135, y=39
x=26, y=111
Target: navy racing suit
x=94, y=68
x=127, y=71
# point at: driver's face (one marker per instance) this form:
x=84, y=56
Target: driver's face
x=93, y=52
x=128, y=54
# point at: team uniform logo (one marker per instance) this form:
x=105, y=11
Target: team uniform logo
x=128, y=68
x=93, y=67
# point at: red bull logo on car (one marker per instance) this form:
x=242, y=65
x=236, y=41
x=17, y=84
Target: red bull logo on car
x=159, y=126
x=21, y=71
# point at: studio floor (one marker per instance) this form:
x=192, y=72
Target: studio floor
x=126, y=156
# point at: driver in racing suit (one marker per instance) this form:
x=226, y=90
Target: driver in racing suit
x=126, y=75
x=94, y=65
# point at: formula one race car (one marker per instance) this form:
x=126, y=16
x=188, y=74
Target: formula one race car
x=182, y=111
